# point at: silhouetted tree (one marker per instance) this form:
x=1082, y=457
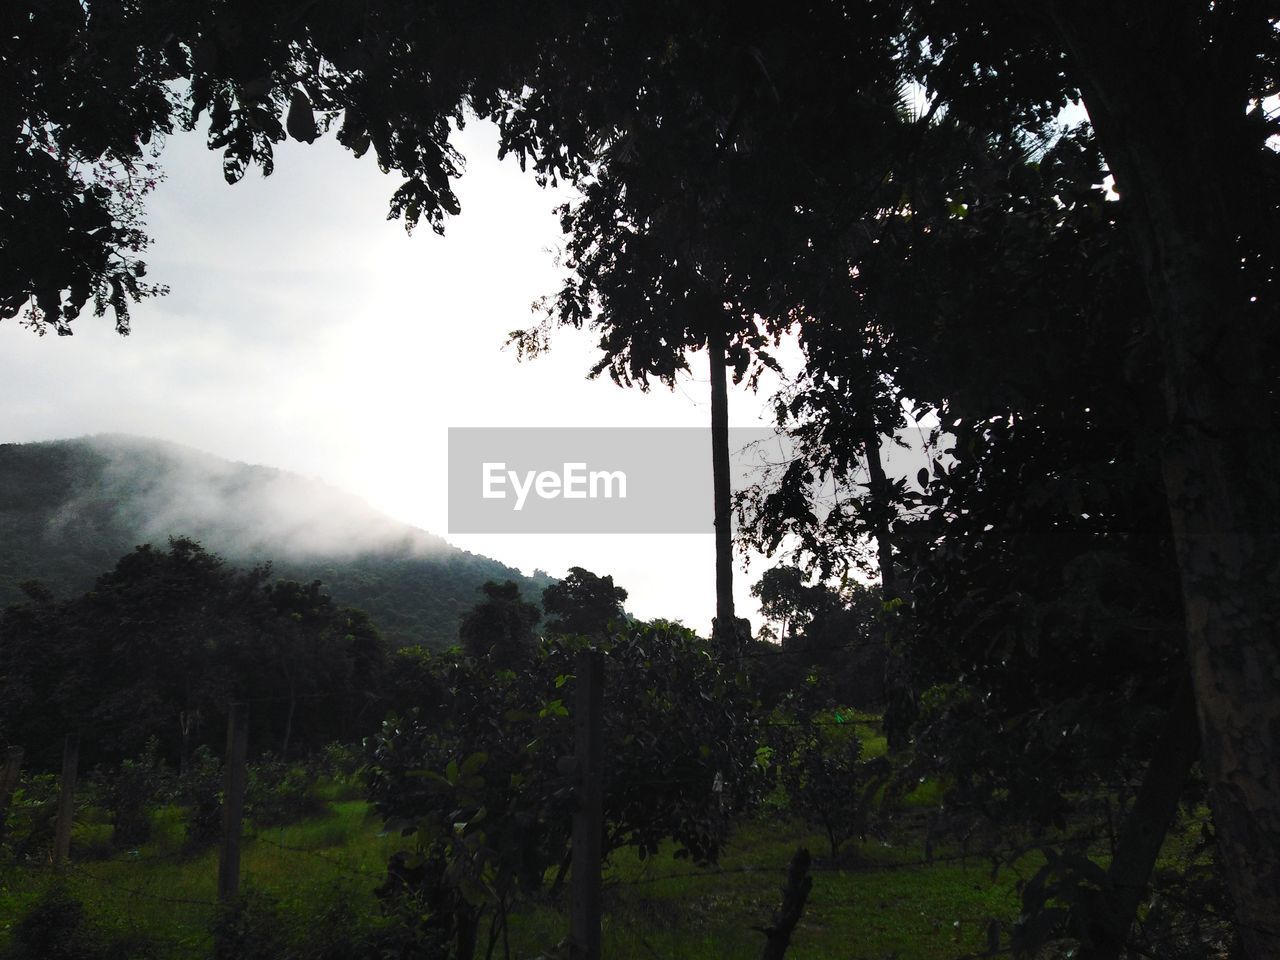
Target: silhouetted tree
x=500, y=627
x=1175, y=93
x=583, y=604
x=166, y=639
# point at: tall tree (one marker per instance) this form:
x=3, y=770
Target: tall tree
x=500, y=627
x=583, y=604
x=1175, y=93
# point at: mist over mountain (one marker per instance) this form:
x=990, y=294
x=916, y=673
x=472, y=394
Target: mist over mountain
x=69, y=509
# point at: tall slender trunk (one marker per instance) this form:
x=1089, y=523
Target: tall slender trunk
x=288, y=720
x=881, y=510
x=468, y=921
x=1167, y=128
x=900, y=703
x=726, y=628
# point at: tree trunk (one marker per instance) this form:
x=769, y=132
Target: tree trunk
x=1167, y=124
x=900, y=703
x=726, y=622
x=787, y=916
x=288, y=720
x=1147, y=824
x=881, y=510
x=468, y=922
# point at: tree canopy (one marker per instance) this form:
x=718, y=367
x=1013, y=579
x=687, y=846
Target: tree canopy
x=1105, y=358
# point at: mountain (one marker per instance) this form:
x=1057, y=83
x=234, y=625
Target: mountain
x=69, y=509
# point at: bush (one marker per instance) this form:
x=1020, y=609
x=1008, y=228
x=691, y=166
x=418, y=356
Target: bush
x=55, y=927
x=256, y=927
x=131, y=791
x=280, y=793
x=200, y=791
x=338, y=761
x=827, y=781
x=252, y=927
x=32, y=816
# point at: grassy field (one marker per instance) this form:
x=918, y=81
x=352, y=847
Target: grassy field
x=880, y=902
x=871, y=906
x=312, y=886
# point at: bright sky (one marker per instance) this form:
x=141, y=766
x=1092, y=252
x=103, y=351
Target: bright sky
x=305, y=331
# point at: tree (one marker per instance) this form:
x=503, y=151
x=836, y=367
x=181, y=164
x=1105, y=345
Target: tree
x=783, y=596
x=471, y=772
x=166, y=639
x=828, y=782
x=583, y=604
x=332, y=660
x=85, y=91
x=500, y=627
x=1046, y=503
x=1205, y=254
x=666, y=252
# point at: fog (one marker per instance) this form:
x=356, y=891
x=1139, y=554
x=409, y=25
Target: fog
x=156, y=490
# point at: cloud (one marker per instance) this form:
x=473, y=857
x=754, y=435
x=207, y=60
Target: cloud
x=157, y=490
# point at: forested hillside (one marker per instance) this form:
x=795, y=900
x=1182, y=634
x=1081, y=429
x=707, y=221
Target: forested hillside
x=70, y=508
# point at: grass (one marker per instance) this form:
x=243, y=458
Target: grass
x=168, y=893
x=658, y=907
x=879, y=901
x=865, y=907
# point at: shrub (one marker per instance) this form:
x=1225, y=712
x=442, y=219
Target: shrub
x=55, y=927
x=280, y=793
x=131, y=791
x=252, y=927
x=32, y=815
x=338, y=761
x=827, y=781
x=200, y=791
x=256, y=927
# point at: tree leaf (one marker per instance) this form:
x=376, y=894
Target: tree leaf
x=301, y=121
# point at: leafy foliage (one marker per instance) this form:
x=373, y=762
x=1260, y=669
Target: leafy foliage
x=965, y=256
x=582, y=604
x=55, y=927
x=200, y=790
x=85, y=95
x=131, y=791
x=30, y=816
x=280, y=792
x=827, y=780
x=500, y=627
x=474, y=778
x=167, y=639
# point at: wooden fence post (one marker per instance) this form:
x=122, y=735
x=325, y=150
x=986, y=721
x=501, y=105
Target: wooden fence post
x=588, y=821
x=8, y=782
x=234, y=781
x=66, y=800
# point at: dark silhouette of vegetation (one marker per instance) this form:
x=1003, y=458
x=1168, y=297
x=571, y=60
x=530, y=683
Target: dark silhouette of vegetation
x=56, y=927
x=583, y=604
x=474, y=781
x=167, y=639
x=500, y=627
x=1102, y=363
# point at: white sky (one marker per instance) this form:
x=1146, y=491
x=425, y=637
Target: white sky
x=305, y=331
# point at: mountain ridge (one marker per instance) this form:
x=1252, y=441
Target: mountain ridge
x=70, y=508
